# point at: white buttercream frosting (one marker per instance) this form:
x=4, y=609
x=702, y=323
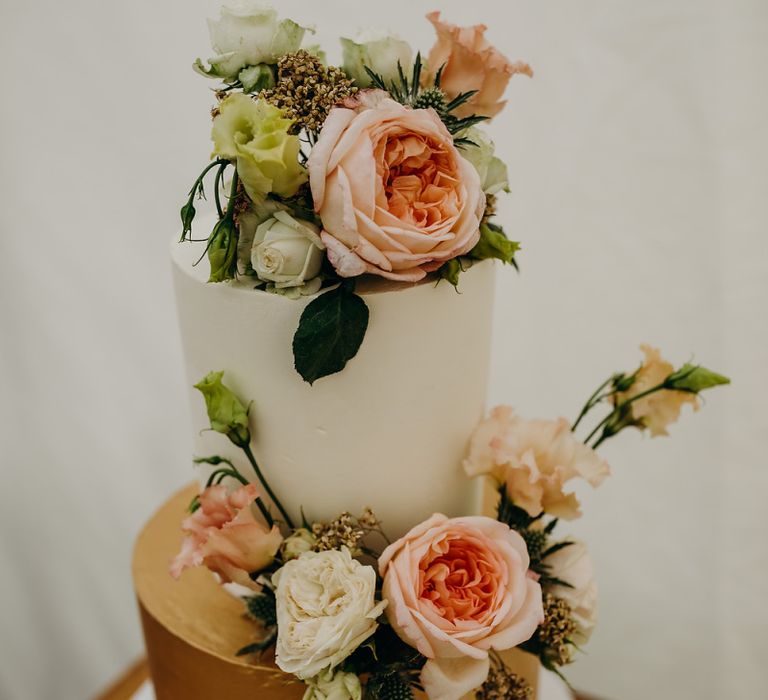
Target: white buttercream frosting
x=389, y=431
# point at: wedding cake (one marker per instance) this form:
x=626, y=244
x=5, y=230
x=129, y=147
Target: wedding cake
x=361, y=527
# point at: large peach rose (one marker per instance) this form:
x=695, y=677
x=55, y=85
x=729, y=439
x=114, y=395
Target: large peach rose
x=534, y=459
x=224, y=536
x=455, y=589
x=470, y=63
x=395, y=196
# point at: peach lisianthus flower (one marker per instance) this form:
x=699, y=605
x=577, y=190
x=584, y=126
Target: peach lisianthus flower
x=470, y=63
x=534, y=459
x=395, y=196
x=658, y=410
x=457, y=588
x=224, y=536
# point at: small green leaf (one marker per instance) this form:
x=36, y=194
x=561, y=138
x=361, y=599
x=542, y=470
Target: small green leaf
x=330, y=332
x=494, y=243
x=187, y=216
x=226, y=412
x=450, y=271
x=694, y=378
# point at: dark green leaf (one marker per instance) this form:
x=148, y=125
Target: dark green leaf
x=187, y=217
x=330, y=332
x=555, y=548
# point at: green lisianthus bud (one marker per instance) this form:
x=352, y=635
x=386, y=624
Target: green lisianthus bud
x=222, y=250
x=694, y=378
x=226, y=412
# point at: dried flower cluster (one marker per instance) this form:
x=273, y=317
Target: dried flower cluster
x=306, y=90
x=501, y=684
x=557, y=630
x=344, y=531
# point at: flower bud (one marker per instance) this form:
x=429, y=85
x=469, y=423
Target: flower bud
x=225, y=411
x=302, y=540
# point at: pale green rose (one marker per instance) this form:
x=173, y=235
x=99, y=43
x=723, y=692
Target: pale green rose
x=379, y=51
x=492, y=170
x=287, y=252
x=255, y=134
x=302, y=540
x=334, y=686
x=247, y=34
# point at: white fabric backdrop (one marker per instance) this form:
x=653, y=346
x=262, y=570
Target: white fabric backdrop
x=638, y=158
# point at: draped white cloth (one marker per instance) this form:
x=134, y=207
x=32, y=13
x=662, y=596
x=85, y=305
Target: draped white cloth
x=638, y=159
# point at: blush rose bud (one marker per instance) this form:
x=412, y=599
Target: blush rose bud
x=226, y=412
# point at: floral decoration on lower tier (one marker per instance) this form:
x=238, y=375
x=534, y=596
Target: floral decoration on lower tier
x=355, y=615
x=323, y=175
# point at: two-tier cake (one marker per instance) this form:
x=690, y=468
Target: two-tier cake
x=360, y=527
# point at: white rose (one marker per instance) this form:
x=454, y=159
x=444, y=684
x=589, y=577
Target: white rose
x=287, y=252
x=492, y=170
x=573, y=565
x=379, y=51
x=247, y=34
x=334, y=686
x=325, y=610
x=302, y=540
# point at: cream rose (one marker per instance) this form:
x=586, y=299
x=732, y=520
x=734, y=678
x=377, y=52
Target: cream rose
x=534, y=459
x=379, y=51
x=494, y=177
x=457, y=588
x=325, y=610
x=573, y=565
x=331, y=685
x=395, y=196
x=247, y=34
x=288, y=252
x=469, y=62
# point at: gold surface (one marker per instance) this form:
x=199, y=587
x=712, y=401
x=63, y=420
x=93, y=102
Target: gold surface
x=193, y=627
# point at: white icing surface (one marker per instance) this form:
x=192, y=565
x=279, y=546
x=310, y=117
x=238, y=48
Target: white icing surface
x=389, y=431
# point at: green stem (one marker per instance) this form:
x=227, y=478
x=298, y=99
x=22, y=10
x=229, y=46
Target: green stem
x=618, y=408
x=237, y=475
x=592, y=402
x=217, y=187
x=249, y=454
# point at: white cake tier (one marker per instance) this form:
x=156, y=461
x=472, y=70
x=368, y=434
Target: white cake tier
x=389, y=431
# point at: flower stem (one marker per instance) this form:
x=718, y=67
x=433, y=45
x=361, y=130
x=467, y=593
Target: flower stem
x=249, y=454
x=617, y=410
x=592, y=402
x=218, y=474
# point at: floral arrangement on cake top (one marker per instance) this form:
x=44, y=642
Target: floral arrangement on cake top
x=354, y=615
x=325, y=174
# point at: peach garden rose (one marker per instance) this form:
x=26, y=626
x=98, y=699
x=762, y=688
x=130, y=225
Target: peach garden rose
x=455, y=589
x=224, y=536
x=395, y=196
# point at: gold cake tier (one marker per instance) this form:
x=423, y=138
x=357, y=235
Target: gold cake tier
x=193, y=627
